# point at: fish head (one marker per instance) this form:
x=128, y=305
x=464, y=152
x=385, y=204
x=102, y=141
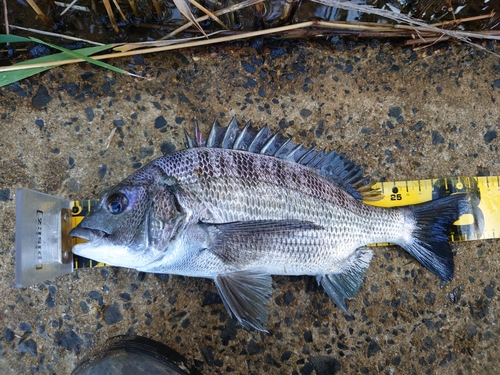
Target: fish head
x=133, y=221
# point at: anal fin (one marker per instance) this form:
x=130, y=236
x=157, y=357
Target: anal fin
x=346, y=283
x=246, y=296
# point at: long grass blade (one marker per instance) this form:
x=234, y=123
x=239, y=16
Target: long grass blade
x=6, y=78
x=75, y=53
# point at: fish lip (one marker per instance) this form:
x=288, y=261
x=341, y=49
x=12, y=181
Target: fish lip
x=87, y=233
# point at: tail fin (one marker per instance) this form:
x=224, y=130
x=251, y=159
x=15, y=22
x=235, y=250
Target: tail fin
x=429, y=243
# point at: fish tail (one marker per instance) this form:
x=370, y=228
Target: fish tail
x=429, y=243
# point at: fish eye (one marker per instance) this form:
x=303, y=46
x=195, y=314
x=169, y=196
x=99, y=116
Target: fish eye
x=117, y=203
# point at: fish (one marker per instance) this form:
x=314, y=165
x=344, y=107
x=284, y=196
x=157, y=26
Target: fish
x=245, y=204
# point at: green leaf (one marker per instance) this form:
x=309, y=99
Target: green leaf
x=78, y=55
x=6, y=38
x=8, y=77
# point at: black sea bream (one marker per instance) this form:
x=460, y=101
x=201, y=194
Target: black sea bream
x=244, y=205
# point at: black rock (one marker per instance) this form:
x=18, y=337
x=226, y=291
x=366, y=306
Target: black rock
x=325, y=365
x=70, y=340
x=29, y=347
x=96, y=296
x=112, y=314
x=489, y=136
x=373, y=347
x=25, y=326
x=8, y=334
x=41, y=98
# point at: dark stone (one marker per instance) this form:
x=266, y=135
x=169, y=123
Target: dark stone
x=286, y=356
x=8, y=334
x=249, y=68
x=288, y=298
x=89, y=112
x=268, y=359
x=229, y=331
x=325, y=365
x=489, y=136
x=39, y=123
x=185, y=323
x=52, y=290
x=208, y=355
x=85, y=308
x=102, y=171
x=146, y=151
x=395, y=112
x=160, y=122
x=490, y=293
x=5, y=195
x=112, y=314
x=418, y=126
x=211, y=298
x=125, y=296
x=496, y=83
x=437, y=137
x=96, y=296
x=41, y=98
x=373, y=348
x=50, y=302
x=118, y=123
x=305, y=112
x=28, y=346
x=307, y=369
x=430, y=298
x=254, y=348
x=308, y=337
x=368, y=131
x=25, y=326
x=167, y=148
x=70, y=340
x=162, y=276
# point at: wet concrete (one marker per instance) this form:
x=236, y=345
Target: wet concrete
x=400, y=114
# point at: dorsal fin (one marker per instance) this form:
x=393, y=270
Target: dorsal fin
x=334, y=166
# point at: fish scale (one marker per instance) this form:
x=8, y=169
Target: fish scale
x=246, y=204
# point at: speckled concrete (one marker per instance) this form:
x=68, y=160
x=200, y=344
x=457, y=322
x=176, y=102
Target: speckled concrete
x=401, y=114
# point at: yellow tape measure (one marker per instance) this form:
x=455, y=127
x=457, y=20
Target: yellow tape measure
x=482, y=221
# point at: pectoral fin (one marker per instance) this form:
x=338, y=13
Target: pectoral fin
x=246, y=296
x=346, y=283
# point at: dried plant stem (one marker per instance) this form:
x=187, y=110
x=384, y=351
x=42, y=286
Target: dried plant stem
x=119, y=10
x=56, y=35
x=157, y=9
x=232, y=8
x=5, y=17
x=462, y=20
x=133, y=6
x=39, y=13
x=208, y=13
x=112, y=20
x=68, y=7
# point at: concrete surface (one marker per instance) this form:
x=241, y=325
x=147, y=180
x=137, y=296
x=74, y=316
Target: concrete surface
x=399, y=113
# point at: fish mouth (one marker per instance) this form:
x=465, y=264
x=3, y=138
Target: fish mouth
x=87, y=233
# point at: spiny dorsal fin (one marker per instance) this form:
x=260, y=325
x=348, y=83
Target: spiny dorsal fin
x=336, y=167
